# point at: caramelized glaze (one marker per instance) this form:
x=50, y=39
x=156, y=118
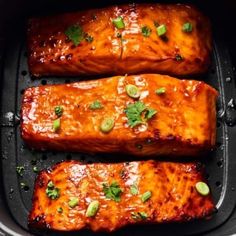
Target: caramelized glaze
x=185, y=123
x=51, y=53
x=174, y=197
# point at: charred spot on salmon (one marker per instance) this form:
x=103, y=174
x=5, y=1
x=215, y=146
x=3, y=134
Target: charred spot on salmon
x=178, y=57
x=139, y=215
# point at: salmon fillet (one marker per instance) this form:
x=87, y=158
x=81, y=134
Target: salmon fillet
x=88, y=42
x=174, y=197
x=184, y=122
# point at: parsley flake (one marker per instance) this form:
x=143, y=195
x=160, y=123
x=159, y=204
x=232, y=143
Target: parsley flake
x=146, y=31
x=75, y=33
x=138, y=113
x=113, y=191
x=96, y=105
x=51, y=191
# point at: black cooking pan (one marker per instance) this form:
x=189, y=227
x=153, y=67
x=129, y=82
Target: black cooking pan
x=15, y=198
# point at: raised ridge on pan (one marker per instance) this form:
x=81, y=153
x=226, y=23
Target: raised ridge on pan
x=220, y=165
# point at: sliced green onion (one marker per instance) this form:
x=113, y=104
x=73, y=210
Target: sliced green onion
x=119, y=23
x=202, y=188
x=56, y=125
x=161, y=30
x=160, y=91
x=73, y=202
x=92, y=209
x=146, y=31
x=146, y=196
x=132, y=91
x=187, y=27
x=35, y=169
x=134, y=189
x=107, y=125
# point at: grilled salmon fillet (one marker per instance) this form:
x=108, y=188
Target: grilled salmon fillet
x=155, y=38
x=170, y=116
x=172, y=196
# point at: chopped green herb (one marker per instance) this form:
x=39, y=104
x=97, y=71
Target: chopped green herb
x=92, y=209
x=35, y=169
x=107, y=125
x=187, y=27
x=134, y=189
x=75, y=33
x=59, y=210
x=161, y=30
x=20, y=170
x=132, y=91
x=73, y=202
x=135, y=111
x=119, y=23
x=51, y=191
x=202, y=188
x=113, y=191
x=96, y=105
x=88, y=38
x=150, y=113
x=58, y=110
x=146, y=196
x=139, y=215
x=56, y=125
x=146, y=31
x=160, y=91
x=178, y=57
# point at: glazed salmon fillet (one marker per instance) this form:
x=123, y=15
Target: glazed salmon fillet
x=173, y=196
x=170, y=39
x=165, y=116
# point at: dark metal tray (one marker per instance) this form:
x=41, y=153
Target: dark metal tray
x=220, y=163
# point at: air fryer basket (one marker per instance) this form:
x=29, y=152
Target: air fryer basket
x=220, y=163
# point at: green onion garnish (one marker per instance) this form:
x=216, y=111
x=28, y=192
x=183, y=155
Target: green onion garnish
x=146, y=196
x=56, y=125
x=119, y=23
x=92, y=209
x=73, y=202
x=187, y=27
x=161, y=30
x=132, y=91
x=202, y=188
x=107, y=125
x=160, y=91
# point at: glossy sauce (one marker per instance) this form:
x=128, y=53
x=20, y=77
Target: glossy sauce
x=185, y=122
x=51, y=53
x=174, y=197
